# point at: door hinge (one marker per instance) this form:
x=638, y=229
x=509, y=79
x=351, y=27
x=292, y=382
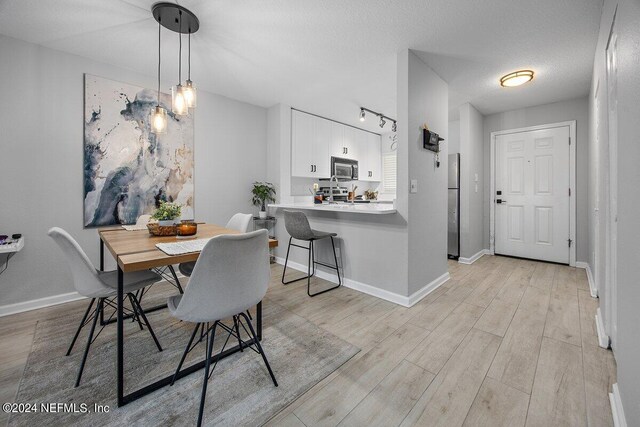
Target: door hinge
x=569, y=241
x=569, y=192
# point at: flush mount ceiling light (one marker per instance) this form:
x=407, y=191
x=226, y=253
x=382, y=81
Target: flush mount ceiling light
x=182, y=21
x=516, y=78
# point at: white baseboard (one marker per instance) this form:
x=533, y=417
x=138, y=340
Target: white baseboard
x=592, y=283
x=372, y=290
x=475, y=257
x=616, y=407
x=20, y=307
x=603, y=338
x=426, y=290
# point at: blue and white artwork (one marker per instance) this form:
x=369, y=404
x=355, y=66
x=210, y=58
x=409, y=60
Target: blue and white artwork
x=127, y=168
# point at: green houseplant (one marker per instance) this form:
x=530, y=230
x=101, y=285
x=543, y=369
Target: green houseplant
x=167, y=213
x=262, y=193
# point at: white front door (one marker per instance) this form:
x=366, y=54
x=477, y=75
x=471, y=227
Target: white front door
x=532, y=194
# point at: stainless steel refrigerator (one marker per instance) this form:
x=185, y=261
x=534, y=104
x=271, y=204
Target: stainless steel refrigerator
x=453, y=220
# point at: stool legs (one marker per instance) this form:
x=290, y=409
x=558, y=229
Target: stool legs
x=311, y=266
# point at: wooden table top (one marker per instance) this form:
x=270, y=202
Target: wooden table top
x=136, y=250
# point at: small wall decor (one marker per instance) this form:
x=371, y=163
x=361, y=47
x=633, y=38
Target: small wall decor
x=129, y=170
x=431, y=141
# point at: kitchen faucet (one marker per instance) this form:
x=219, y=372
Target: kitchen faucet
x=333, y=177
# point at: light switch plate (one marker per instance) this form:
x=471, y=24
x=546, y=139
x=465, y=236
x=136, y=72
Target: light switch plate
x=413, y=188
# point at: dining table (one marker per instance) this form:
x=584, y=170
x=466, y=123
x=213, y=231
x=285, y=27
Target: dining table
x=137, y=251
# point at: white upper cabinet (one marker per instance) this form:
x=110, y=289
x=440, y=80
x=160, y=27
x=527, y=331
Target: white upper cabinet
x=302, y=145
x=315, y=140
x=310, y=140
x=369, y=165
x=374, y=157
x=322, y=142
x=337, y=148
x=350, y=142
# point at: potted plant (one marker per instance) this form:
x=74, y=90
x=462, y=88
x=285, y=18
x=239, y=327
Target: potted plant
x=263, y=192
x=167, y=213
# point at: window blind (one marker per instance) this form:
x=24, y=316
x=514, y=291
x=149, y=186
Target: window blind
x=389, y=172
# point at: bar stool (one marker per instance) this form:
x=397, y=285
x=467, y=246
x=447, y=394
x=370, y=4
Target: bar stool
x=297, y=225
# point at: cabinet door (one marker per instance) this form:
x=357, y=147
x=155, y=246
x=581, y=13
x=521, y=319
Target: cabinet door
x=374, y=157
x=362, y=151
x=302, y=145
x=321, y=146
x=350, y=143
x=337, y=149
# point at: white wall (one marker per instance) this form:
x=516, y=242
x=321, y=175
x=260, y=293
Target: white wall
x=575, y=109
x=453, y=142
x=422, y=96
x=471, y=190
x=41, y=146
x=627, y=347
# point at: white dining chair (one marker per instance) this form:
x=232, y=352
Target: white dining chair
x=100, y=286
x=239, y=222
x=231, y=276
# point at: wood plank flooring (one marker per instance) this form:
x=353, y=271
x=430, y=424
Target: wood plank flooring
x=505, y=342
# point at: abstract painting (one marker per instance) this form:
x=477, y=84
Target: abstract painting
x=128, y=169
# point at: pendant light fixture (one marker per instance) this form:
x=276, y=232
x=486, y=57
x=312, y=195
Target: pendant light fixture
x=178, y=101
x=158, y=117
x=182, y=21
x=189, y=90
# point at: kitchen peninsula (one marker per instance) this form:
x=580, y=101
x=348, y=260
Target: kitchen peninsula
x=355, y=208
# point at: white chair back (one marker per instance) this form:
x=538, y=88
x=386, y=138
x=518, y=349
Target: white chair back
x=85, y=275
x=231, y=275
x=240, y=222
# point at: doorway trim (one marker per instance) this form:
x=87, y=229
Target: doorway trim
x=572, y=182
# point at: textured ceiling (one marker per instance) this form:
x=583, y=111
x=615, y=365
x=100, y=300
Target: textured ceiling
x=331, y=56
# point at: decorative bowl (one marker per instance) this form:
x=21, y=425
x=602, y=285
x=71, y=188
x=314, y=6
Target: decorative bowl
x=156, y=229
x=187, y=228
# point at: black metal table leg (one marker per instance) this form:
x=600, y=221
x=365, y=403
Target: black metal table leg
x=101, y=255
x=259, y=320
x=101, y=269
x=120, y=353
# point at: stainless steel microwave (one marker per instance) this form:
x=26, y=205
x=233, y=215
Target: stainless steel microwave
x=344, y=169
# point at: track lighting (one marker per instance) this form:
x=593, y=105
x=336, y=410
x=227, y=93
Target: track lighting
x=363, y=111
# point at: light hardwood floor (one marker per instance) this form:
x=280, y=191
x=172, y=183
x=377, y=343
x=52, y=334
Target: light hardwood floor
x=505, y=342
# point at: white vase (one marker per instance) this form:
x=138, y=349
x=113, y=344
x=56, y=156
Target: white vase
x=263, y=214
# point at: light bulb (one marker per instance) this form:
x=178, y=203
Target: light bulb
x=158, y=120
x=382, y=122
x=362, y=115
x=190, y=95
x=178, y=101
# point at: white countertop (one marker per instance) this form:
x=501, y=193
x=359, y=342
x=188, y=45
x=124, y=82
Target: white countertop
x=359, y=208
